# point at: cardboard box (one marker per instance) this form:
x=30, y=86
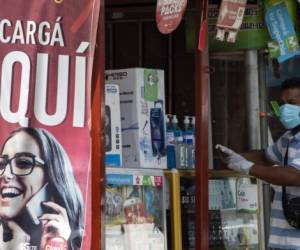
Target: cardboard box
x=142, y=98
x=113, y=136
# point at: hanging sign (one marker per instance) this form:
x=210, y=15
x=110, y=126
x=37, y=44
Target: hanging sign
x=45, y=160
x=284, y=43
x=230, y=19
x=253, y=33
x=169, y=14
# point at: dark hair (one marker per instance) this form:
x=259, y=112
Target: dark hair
x=291, y=83
x=61, y=180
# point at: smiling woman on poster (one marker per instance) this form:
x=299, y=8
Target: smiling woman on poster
x=39, y=197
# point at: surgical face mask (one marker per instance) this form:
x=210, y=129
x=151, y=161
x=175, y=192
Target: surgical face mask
x=290, y=115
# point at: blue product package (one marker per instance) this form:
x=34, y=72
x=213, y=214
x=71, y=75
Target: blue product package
x=282, y=31
x=157, y=130
x=170, y=140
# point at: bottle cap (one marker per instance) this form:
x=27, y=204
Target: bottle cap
x=186, y=119
x=174, y=120
x=193, y=120
x=167, y=117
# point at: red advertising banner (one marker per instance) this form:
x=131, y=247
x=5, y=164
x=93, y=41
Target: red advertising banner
x=169, y=14
x=46, y=57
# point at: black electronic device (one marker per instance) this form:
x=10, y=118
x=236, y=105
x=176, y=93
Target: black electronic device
x=108, y=139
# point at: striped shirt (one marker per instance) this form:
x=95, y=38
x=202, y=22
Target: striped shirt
x=282, y=235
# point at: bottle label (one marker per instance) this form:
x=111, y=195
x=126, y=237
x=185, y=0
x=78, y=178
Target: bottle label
x=56, y=243
x=170, y=138
x=182, y=156
x=247, y=197
x=179, y=139
x=189, y=137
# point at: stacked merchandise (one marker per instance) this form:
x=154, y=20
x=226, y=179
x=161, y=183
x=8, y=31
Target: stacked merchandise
x=135, y=209
x=233, y=220
x=188, y=212
x=142, y=105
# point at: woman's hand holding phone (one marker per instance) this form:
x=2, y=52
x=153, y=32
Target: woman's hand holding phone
x=18, y=237
x=55, y=224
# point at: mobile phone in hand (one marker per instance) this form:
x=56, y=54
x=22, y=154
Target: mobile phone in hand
x=35, y=207
x=7, y=232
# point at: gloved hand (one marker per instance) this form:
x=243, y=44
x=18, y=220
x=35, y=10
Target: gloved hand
x=233, y=160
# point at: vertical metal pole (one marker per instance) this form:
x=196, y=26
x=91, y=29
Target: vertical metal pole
x=265, y=214
x=254, y=129
x=252, y=99
x=176, y=228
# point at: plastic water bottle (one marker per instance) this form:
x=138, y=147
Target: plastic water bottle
x=186, y=124
x=180, y=146
x=190, y=153
x=193, y=128
x=171, y=158
x=189, y=141
x=193, y=136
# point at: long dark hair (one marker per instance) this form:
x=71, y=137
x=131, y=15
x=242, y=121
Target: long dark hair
x=61, y=180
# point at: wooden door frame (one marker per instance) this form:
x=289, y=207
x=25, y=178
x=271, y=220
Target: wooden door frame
x=202, y=121
x=98, y=135
x=202, y=116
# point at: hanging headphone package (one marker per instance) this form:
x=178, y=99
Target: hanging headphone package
x=113, y=137
x=142, y=99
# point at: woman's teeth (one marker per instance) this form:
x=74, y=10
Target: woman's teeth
x=10, y=192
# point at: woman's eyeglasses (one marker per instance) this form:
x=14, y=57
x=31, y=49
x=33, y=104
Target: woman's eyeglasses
x=21, y=164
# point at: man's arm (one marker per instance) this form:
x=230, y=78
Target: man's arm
x=279, y=175
x=257, y=156
x=256, y=164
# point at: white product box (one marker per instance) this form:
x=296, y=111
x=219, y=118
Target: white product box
x=142, y=98
x=113, y=136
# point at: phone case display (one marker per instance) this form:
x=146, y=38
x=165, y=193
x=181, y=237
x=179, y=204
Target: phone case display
x=142, y=98
x=135, y=209
x=233, y=213
x=188, y=215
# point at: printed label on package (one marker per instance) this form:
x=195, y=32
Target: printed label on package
x=169, y=14
x=46, y=59
x=136, y=180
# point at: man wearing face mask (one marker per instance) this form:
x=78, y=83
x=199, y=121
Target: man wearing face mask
x=279, y=164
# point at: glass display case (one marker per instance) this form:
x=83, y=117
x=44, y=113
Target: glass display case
x=188, y=208
x=233, y=215
x=134, y=209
